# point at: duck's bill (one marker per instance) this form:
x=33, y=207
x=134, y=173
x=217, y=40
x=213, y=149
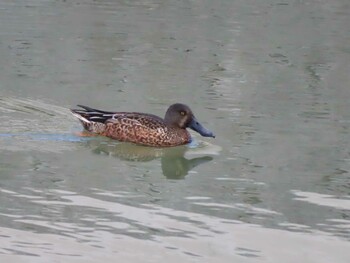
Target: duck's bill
x=196, y=126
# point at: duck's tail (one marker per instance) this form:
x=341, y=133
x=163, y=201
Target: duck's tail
x=93, y=120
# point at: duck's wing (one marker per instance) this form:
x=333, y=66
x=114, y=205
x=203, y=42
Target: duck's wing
x=96, y=121
x=96, y=115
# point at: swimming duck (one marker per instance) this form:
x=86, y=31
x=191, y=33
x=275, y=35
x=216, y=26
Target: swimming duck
x=143, y=128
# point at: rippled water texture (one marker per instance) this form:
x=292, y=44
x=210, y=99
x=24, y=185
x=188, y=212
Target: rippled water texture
x=269, y=78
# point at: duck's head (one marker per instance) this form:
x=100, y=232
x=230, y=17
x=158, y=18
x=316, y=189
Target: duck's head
x=180, y=116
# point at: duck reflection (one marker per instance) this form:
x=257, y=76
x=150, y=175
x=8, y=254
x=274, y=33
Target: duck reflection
x=173, y=162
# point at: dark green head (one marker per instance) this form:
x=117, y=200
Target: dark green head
x=180, y=116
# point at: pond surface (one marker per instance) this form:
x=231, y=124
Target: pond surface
x=269, y=78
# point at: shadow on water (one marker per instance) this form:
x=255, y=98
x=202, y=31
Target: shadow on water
x=173, y=161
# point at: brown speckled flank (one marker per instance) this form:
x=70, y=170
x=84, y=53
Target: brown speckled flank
x=143, y=128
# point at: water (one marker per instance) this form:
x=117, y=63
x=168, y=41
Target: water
x=269, y=78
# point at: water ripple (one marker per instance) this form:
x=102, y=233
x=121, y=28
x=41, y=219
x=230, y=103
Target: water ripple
x=178, y=235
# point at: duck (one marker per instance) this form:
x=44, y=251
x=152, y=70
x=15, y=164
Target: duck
x=143, y=128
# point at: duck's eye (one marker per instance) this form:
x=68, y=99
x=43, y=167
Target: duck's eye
x=182, y=113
